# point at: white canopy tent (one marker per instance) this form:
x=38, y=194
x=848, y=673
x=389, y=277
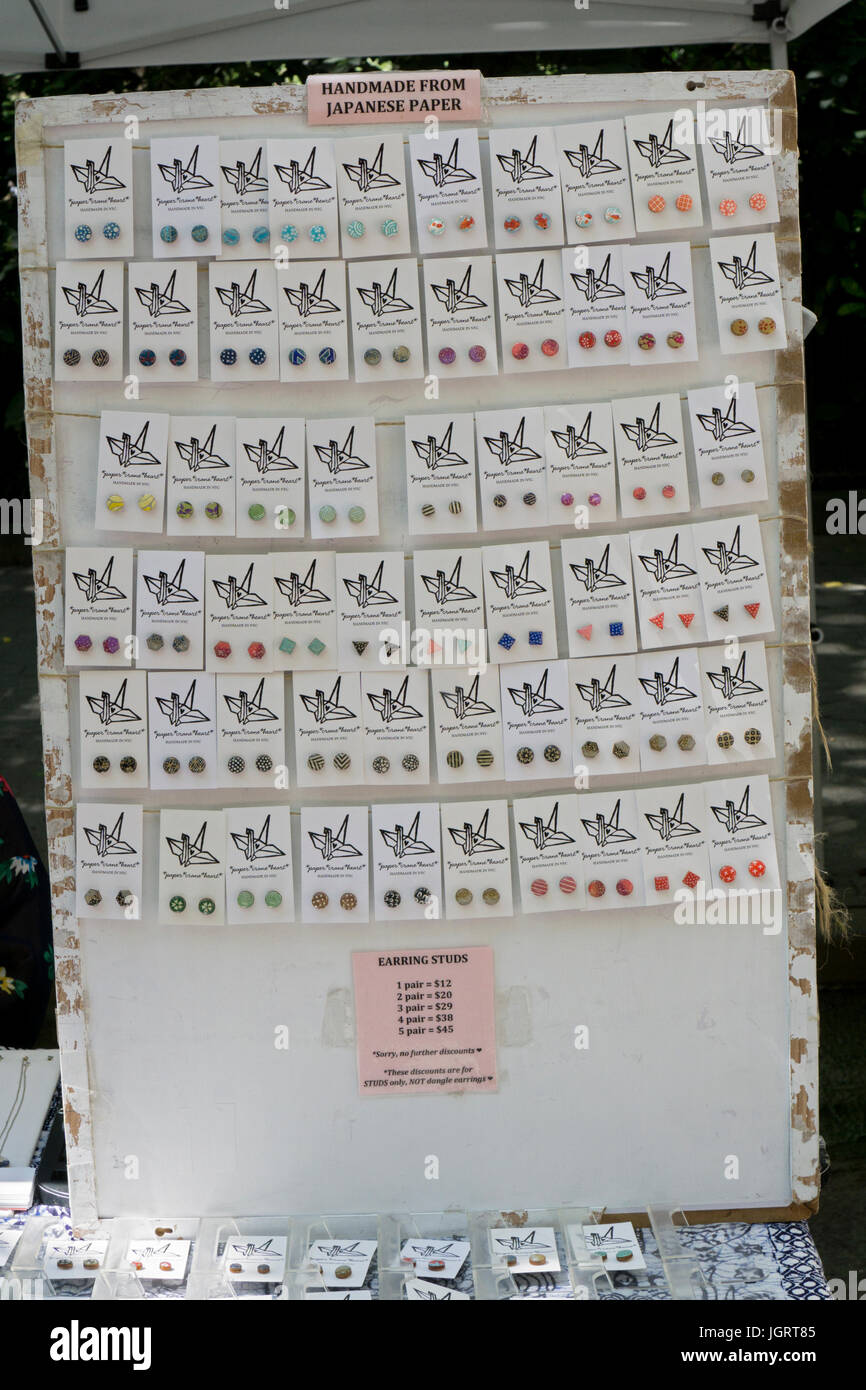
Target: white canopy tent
x=45, y=34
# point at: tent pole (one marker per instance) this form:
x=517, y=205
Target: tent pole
x=778, y=50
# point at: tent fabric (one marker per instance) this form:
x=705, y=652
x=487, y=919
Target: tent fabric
x=115, y=33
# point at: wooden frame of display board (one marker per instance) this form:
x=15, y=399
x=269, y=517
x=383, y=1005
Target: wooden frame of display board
x=704, y=1040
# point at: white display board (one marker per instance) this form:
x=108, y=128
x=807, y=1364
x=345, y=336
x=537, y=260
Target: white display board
x=639, y=1061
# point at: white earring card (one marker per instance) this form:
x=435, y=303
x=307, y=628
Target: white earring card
x=593, y=165
x=313, y=321
x=163, y=321
x=185, y=200
x=448, y=191
x=88, y=321
x=98, y=198
x=302, y=197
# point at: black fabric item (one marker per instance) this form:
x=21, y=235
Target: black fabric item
x=26, y=956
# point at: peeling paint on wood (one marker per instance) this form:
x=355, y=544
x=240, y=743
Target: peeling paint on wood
x=265, y=106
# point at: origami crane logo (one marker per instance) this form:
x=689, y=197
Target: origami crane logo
x=662, y=151
x=181, y=711
x=671, y=827
x=191, y=852
x=391, y=707
x=341, y=459
x=728, y=557
x=168, y=591
x=302, y=591
x=242, y=301
x=370, y=592
x=733, y=149
x=158, y=302
x=720, y=426
x=737, y=818
x=250, y=709
x=517, y=583
x=269, y=458
x=96, y=178
x=406, y=842
x=511, y=448
x=667, y=691
x=599, y=285
x=475, y=842
x=447, y=590
x=310, y=302
x=369, y=174
x=113, y=710
x=578, y=444
x=129, y=453
x=546, y=835
x=439, y=454
x=241, y=594
x=607, y=831
x=529, y=292
x=466, y=704
x=455, y=298
x=326, y=709
x=524, y=168
x=601, y=697
x=502, y=1244
x=98, y=589
x=184, y=178
x=246, y=178
x=657, y=284
x=588, y=162
x=734, y=686
x=443, y=172
x=198, y=455
x=109, y=844
x=647, y=436
x=531, y=702
x=384, y=301
x=744, y=274
x=302, y=179
x=597, y=576
x=88, y=302
x=664, y=568
x=331, y=846
x=253, y=846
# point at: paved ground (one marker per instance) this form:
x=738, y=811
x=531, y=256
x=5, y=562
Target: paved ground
x=840, y=1227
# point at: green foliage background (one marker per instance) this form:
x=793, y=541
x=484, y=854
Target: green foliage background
x=830, y=66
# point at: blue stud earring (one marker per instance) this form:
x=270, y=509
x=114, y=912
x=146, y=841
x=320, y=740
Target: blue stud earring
x=297, y=356
x=536, y=638
x=318, y=233
x=168, y=234
x=231, y=236
x=506, y=641
x=258, y=356
x=111, y=231
x=199, y=232
x=327, y=356
x=261, y=235
x=289, y=232
x=177, y=357
x=83, y=232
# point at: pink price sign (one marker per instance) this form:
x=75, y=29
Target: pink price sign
x=425, y=1020
x=373, y=98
